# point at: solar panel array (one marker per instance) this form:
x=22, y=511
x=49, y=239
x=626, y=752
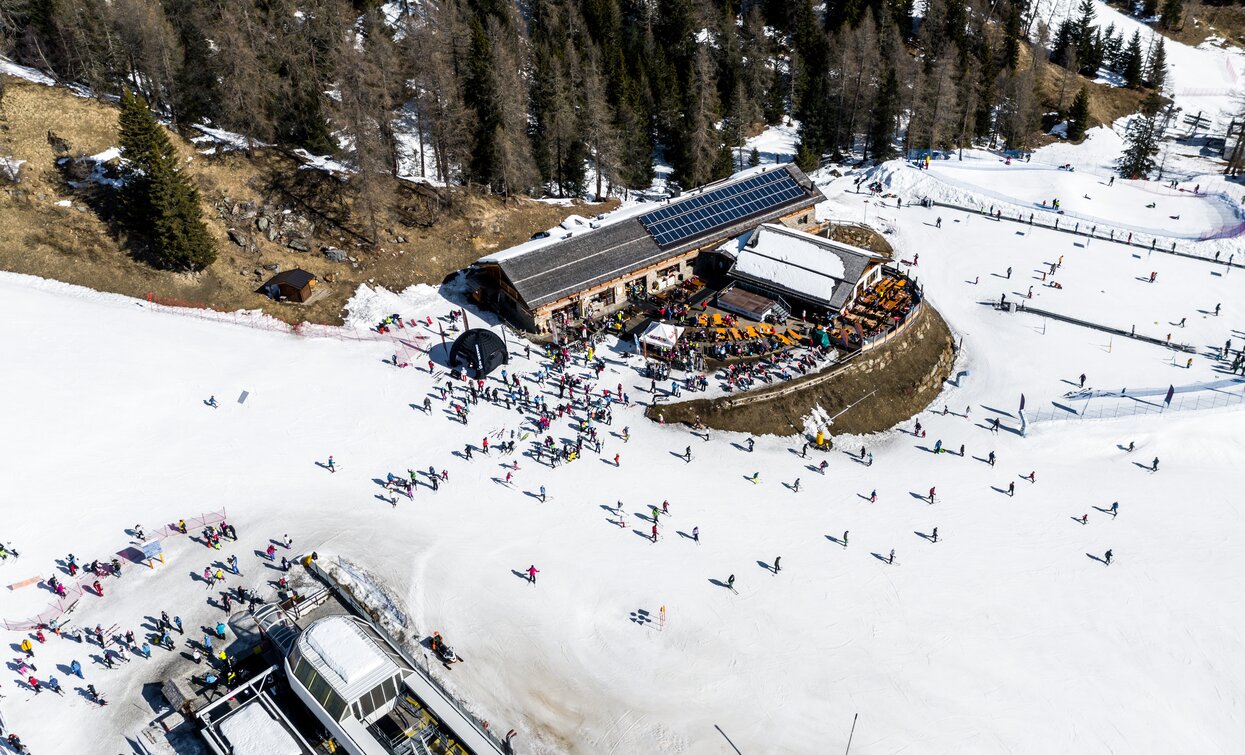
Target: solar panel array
x=702, y=213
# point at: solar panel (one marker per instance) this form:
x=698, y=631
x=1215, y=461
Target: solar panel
x=722, y=206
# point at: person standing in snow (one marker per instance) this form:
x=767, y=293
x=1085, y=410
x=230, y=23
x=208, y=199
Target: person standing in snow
x=687, y=454
x=931, y=496
x=1011, y=488
x=796, y=487
x=1032, y=477
x=777, y=564
x=1154, y=467
x=654, y=532
x=990, y=459
x=891, y=559
x=212, y=402
x=730, y=582
x=1115, y=509
x=332, y=468
x=873, y=496
x=844, y=538
x=751, y=444
x=542, y=493
x=1082, y=379
x=1107, y=557
x=696, y=535
x=934, y=535
x=532, y=571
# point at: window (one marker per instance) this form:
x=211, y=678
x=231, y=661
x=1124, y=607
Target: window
x=605, y=298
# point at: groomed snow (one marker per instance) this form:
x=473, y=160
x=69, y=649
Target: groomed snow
x=253, y=731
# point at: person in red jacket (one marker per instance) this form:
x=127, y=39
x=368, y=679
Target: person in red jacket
x=532, y=571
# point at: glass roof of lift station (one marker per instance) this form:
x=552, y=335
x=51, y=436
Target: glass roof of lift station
x=346, y=669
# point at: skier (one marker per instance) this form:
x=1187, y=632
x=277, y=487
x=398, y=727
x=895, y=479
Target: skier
x=1082, y=379
x=55, y=685
x=654, y=532
x=730, y=582
x=822, y=466
x=777, y=564
x=751, y=445
x=1131, y=446
x=212, y=402
x=891, y=558
x=75, y=668
x=616, y=461
x=1154, y=467
x=1115, y=509
x=1107, y=557
x=845, y=538
x=873, y=497
x=665, y=507
x=931, y=496
x=99, y=589
x=696, y=535
x=1032, y=477
x=1084, y=518
x=687, y=454
x=990, y=458
x=935, y=535
x=532, y=571
x=542, y=493
x=938, y=446
x=1009, y=273
x=1011, y=488
x=756, y=477
x=796, y=486
x=331, y=467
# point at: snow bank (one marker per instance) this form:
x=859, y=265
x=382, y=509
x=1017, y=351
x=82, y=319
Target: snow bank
x=9, y=68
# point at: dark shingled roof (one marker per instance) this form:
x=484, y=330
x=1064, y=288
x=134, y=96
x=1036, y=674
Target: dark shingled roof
x=557, y=270
x=298, y=278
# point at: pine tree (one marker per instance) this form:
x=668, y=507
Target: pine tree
x=161, y=206
x=1172, y=17
x=1078, y=116
x=1149, y=8
x=1140, y=147
x=754, y=158
x=1132, y=62
x=1156, y=66
x=881, y=132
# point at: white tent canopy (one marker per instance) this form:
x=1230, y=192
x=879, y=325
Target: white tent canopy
x=662, y=335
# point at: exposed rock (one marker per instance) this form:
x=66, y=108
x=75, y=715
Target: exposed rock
x=262, y=223
x=273, y=233
x=299, y=245
x=334, y=255
x=274, y=267
x=239, y=238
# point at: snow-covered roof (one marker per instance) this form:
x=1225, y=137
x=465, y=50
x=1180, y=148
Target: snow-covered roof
x=253, y=730
x=798, y=263
x=348, y=659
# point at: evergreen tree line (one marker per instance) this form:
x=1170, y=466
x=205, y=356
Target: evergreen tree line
x=1079, y=45
x=558, y=96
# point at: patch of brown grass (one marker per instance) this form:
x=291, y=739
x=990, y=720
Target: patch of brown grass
x=443, y=233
